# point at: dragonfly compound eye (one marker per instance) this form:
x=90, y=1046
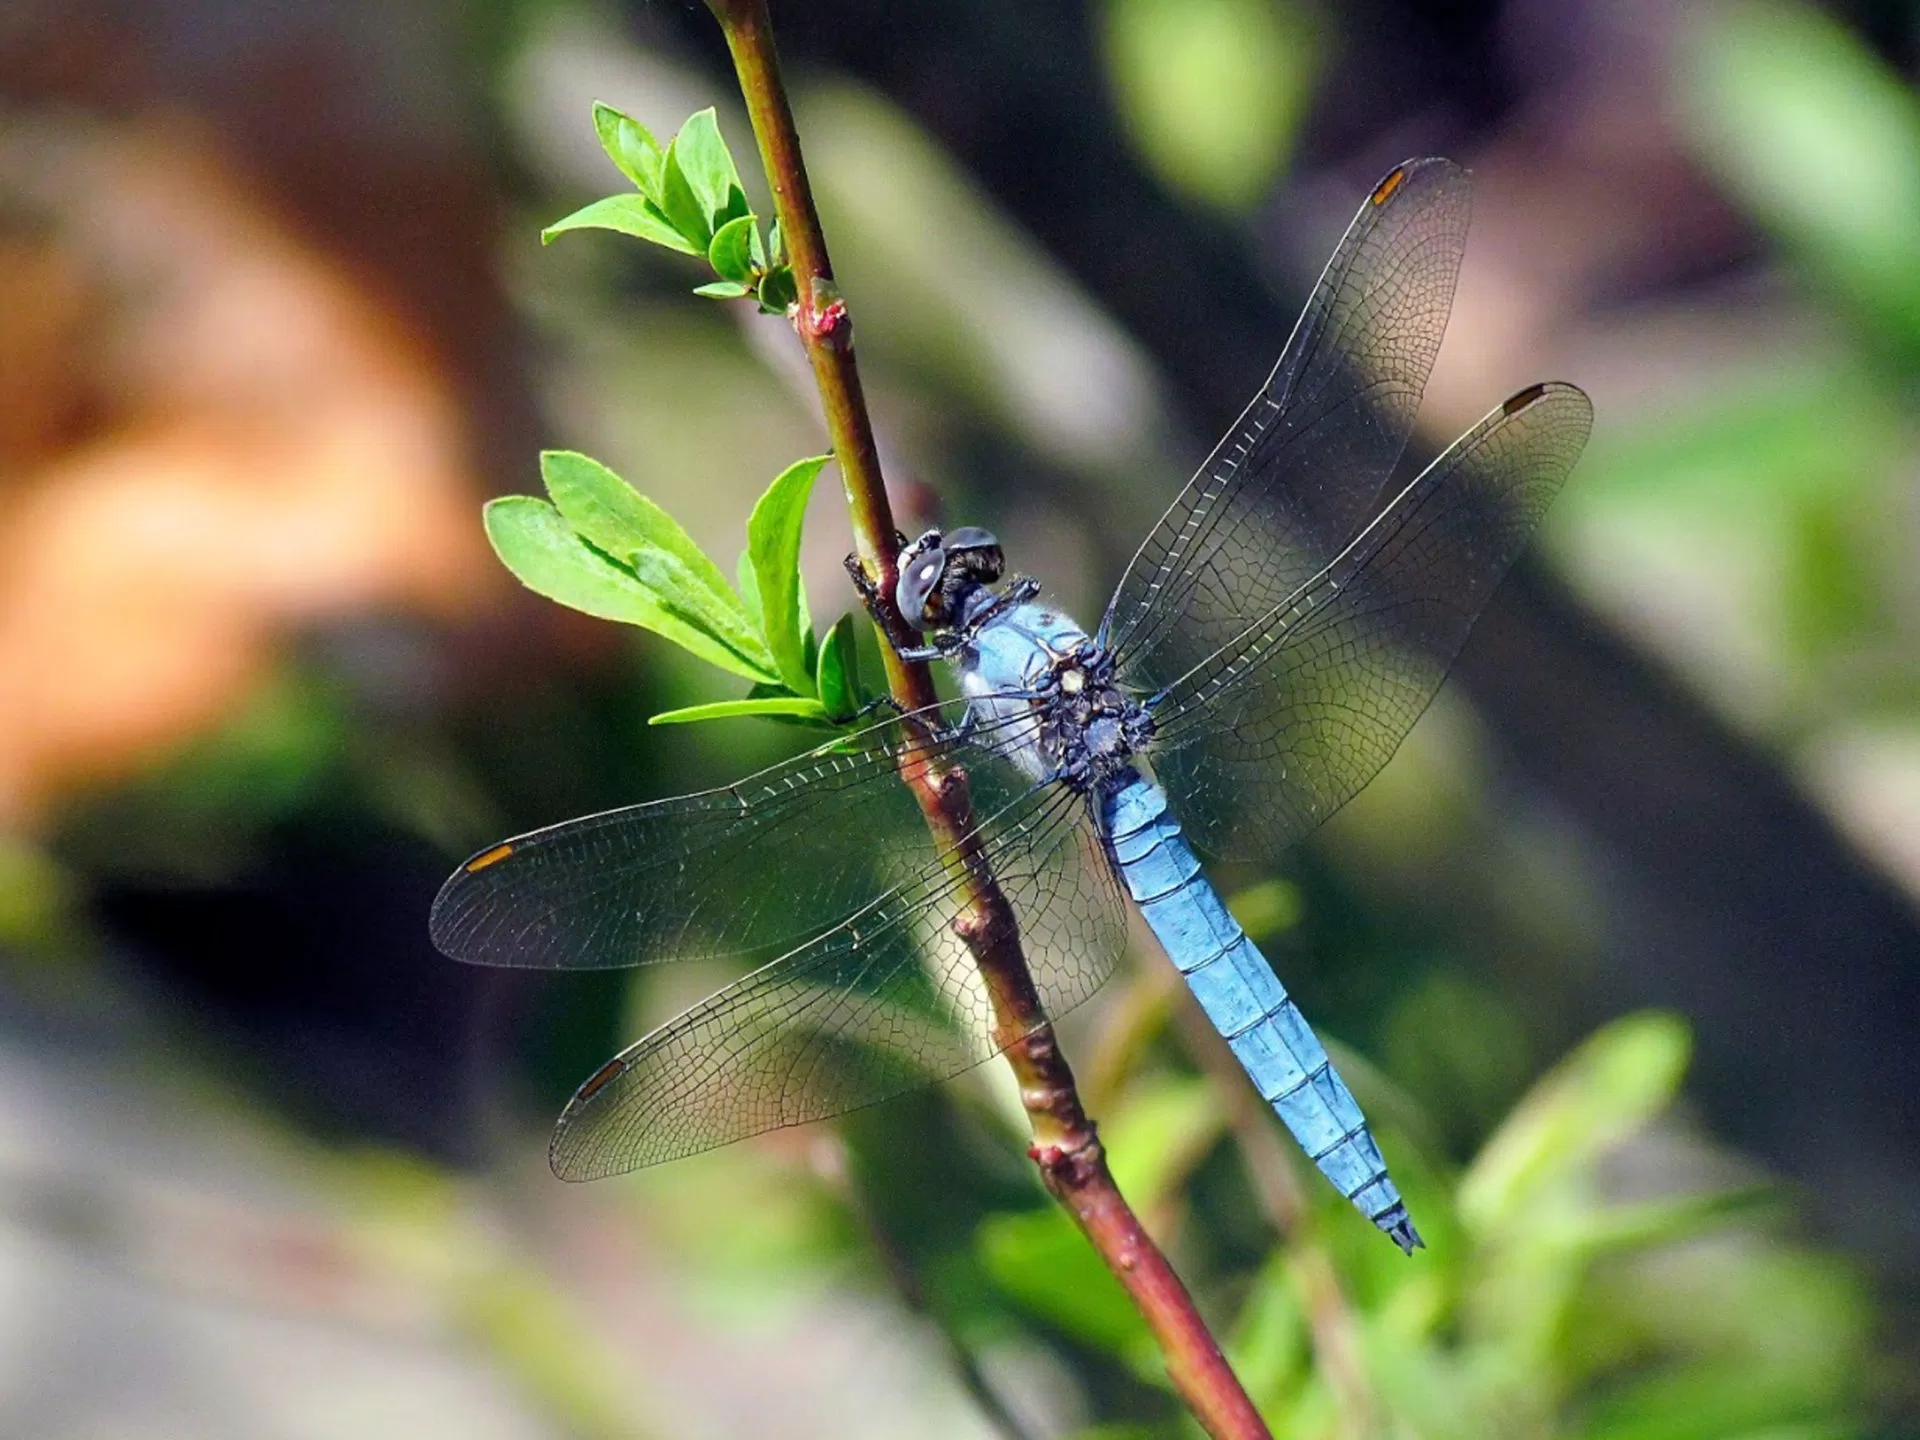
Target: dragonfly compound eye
x=918, y=591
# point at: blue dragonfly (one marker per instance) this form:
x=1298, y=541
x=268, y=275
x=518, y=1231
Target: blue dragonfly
x=1269, y=646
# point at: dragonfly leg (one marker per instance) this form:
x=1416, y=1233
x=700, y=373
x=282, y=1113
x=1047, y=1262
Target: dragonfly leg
x=884, y=616
x=864, y=583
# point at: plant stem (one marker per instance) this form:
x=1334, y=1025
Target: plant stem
x=1072, y=1162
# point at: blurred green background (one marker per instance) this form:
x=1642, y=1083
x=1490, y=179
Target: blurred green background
x=1621, y=951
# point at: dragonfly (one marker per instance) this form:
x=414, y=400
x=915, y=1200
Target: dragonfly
x=1268, y=647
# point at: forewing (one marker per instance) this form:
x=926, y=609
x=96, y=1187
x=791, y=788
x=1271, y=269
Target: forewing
x=1302, y=469
x=1281, y=726
x=748, y=869
x=883, y=1002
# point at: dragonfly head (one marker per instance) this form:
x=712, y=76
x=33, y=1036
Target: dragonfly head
x=938, y=572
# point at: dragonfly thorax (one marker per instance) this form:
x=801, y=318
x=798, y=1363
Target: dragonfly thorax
x=1043, y=692
x=1032, y=676
x=1090, y=728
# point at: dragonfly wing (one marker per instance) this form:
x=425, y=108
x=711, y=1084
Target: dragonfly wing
x=748, y=869
x=1286, y=722
x=884, y=1001
x=1302, y=469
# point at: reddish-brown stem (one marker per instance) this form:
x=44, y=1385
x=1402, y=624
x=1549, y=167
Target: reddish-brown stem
x=1072, y=1162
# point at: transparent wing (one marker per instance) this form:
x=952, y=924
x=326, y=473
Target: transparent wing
x=884, y=1001
x=1303, y=467
x=748, y=869
x=1282, y=725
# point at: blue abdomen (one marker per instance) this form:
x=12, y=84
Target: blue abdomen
x=1246, y=1002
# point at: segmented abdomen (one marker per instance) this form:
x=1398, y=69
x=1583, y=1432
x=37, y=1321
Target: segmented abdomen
x=1247, y=1003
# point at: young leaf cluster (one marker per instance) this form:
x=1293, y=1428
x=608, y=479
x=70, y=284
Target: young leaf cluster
x=598, y=545
x=687, y=197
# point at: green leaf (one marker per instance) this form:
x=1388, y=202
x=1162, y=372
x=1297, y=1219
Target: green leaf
x=1819, y=138
x=1651, y=1223
x=544, y=553
x=699, y=188
x=612, y=515
x=803, y=625
x=1267, y=908
x=685, y=594
x=621, y=521
x=633, y=215
x=1042, y=1262
x=749, y=586
x=708, y=167
x=682, y=207
x=1608, y=1088
x=731, y=255
x=773, y=540
x=840, y=671
x=1212, y=91
x=777, y=290
x=776, y=245
x=802, y=707
x=1271, y=1342
x=631, y=148
x=1158, y=1131
x=722, y=290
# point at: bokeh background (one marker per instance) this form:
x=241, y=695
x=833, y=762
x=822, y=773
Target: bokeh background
x=1621, y=951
